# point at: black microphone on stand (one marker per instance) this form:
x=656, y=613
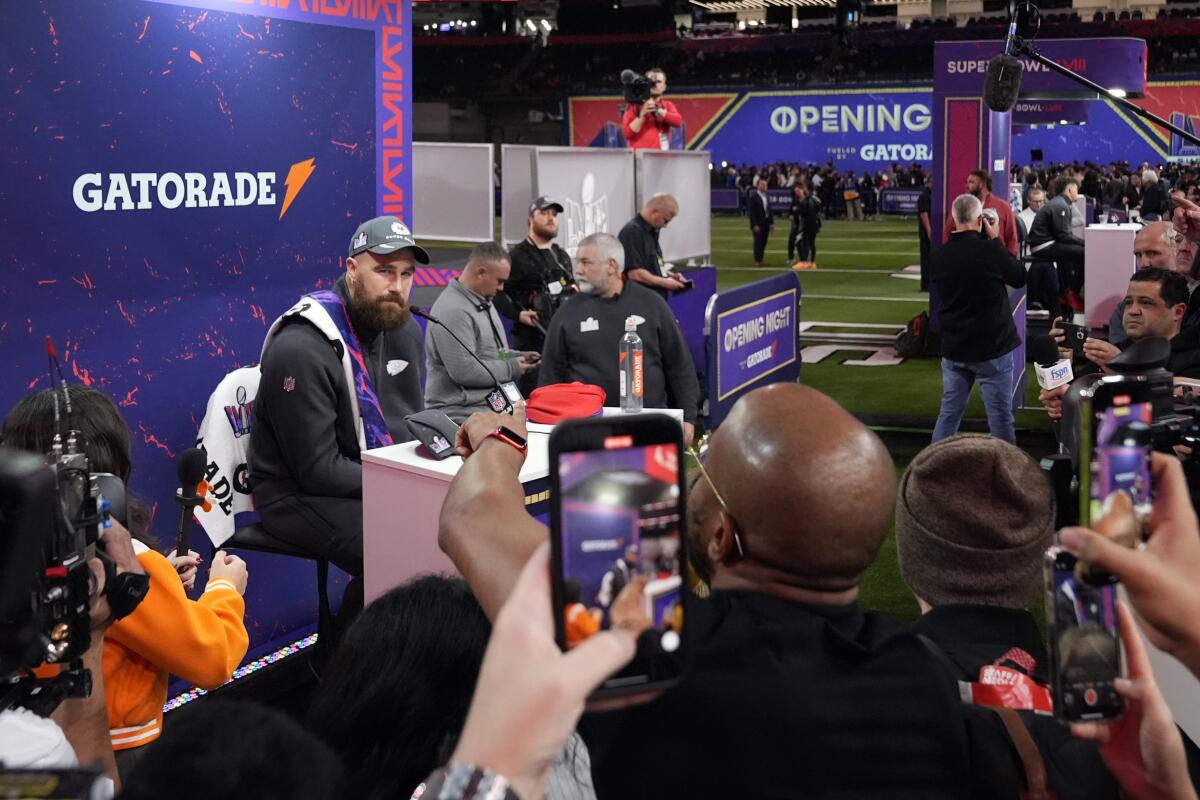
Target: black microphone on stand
x=504, y=395
x=189, y=466
x=1004, y=71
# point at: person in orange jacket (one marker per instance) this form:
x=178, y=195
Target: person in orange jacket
x=201, y=641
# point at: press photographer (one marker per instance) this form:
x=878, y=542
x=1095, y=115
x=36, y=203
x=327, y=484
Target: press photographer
x=67, y=571
x=201, y=641
x=648, y=116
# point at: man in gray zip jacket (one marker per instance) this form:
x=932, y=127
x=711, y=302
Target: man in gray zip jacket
x=457, y=385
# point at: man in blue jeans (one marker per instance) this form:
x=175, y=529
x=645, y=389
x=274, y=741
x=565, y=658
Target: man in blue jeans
x=978, y=335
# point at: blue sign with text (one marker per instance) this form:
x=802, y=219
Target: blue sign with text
x=856, y=129
x=753, y=334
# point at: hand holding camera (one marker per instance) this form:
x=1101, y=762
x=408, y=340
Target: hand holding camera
x=991, y=223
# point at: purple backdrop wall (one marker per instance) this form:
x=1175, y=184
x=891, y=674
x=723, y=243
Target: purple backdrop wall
x=150, y=300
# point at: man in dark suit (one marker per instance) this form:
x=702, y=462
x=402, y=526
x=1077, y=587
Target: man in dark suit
x=762, y=221
x=978, y=334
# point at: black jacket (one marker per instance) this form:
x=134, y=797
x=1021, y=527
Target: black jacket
x=583, y=344
x=972, y=637
x=805, y=219
x=1184, y=360
x=799, y=701
x=759, y=211
x=1053, y=224
x=528, y=289
x=642, y=248
x=1155, y=200
x=970, y=274
x=305, y=437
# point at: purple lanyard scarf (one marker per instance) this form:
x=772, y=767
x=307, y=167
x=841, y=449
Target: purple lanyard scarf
x=374, y=424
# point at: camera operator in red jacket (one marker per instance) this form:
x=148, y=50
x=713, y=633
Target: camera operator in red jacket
x=648, y=125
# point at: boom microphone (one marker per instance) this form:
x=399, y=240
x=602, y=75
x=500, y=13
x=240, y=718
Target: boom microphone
x=504, y=395
x=628, y=76
x=1003, y=82
x=189, y=466
x=1052, y=372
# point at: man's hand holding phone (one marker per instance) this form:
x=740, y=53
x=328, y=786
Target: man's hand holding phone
x=1100, y=352
x=991, y=224
x=1161, y=576
x=1059, y=332
x=1143, y=749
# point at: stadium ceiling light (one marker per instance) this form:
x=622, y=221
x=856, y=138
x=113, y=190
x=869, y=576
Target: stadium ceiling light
x=546, y=25
x=1116, y=91
x=529, y=24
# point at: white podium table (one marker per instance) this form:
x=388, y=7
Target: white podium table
x=1107, y=266
x=403, y=494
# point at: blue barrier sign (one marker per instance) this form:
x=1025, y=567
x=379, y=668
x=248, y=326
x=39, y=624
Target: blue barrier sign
x=753, y=335
x=899, y=201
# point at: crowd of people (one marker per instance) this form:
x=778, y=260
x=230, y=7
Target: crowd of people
x=842, y=194
x=456, y=688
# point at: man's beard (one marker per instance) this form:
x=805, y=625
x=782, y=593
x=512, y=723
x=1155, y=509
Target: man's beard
x=586, y=287
x=545, y=231
x=382, y=314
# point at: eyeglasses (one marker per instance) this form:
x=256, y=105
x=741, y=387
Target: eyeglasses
x=737, y=540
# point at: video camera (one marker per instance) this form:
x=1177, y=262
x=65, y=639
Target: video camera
x=52, y=511
x=635, y=87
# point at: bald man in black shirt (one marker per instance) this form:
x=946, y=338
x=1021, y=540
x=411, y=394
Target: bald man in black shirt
x=793, y=690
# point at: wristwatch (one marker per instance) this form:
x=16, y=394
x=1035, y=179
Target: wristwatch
x=511, y=438
x=458, y=781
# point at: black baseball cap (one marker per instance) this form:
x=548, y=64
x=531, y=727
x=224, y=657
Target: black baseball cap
x=544, y=202
x=384, y=235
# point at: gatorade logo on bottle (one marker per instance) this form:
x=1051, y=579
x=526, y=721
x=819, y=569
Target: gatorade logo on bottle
x=637, y=374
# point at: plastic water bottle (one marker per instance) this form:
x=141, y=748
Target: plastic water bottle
x=632, y=384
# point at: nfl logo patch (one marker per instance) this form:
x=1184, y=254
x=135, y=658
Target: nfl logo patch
x=289, y=383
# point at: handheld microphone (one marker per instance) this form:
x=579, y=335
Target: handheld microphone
x=1052, y=372
x=189, y=466
x=504, y=395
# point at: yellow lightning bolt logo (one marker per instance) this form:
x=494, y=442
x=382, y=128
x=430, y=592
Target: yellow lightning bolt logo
x=297, y=176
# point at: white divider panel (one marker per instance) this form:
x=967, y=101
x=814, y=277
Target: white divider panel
x=516, y=191
x=684, y=175
x=453, y=195
x=594, y=185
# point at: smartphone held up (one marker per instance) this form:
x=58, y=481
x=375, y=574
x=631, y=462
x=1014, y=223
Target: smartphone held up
x=618, y=548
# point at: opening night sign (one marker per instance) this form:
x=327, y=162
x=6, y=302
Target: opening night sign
x=755, y=340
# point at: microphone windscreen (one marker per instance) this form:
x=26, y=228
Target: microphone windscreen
x=628, y=76
x=1043, y=350
x=1003, y=82
x=189, y=466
